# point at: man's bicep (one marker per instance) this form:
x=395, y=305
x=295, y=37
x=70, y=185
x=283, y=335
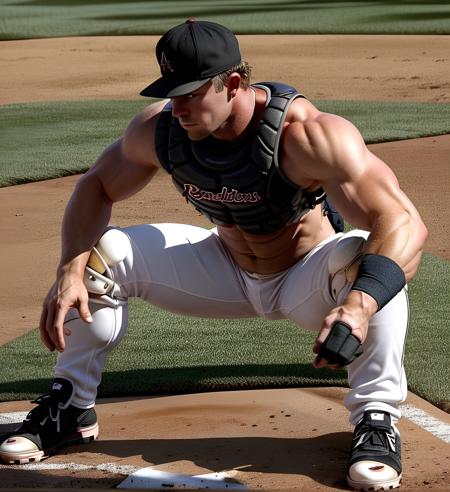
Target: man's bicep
x=127, y=165
x=119, y=175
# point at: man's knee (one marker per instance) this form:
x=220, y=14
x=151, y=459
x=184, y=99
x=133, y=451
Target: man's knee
x=111, y=249
x=101, y=332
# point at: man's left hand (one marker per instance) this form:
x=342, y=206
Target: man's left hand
x=355, y=312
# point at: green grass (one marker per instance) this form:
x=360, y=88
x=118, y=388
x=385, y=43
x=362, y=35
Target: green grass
x=428, y=345
x=168, y=353
x=21, y=19
x=46, y=140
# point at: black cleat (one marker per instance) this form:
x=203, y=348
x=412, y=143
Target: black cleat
x=375, y=462
x=53, y=424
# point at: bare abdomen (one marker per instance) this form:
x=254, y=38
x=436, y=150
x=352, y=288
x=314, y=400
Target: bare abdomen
x=277, y=251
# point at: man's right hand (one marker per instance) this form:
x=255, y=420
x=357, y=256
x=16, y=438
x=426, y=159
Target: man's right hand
x=67, y=292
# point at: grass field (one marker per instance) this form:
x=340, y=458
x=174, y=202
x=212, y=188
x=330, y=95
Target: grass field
x=64, y=138
x=23, y=19
x=167, y=353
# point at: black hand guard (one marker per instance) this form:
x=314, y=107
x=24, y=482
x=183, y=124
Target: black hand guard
x=340, y=347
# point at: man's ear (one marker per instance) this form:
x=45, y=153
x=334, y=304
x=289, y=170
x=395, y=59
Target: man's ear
x=233, y=84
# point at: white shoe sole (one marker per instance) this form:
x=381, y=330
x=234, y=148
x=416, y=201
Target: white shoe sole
x=373, y=486
x=9, y=457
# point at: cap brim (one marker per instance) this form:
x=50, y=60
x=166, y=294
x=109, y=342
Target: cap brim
x=167, y=88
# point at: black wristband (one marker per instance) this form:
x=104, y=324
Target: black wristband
x=380, y=277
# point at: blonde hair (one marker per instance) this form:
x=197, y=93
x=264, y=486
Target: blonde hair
x=243, y=69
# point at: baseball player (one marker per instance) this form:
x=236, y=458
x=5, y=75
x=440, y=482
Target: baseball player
x=265, y=166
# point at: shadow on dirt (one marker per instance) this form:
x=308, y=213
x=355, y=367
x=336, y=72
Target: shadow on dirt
x=322, y=458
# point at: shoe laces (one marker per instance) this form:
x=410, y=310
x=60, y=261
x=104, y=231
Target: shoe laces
x=47, y=407
x=376, y=436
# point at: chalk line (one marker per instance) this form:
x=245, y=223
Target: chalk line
x=12, y=418
x=426, y=421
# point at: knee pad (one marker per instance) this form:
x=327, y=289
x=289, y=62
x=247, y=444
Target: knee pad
x=112, y=248
x=343, y=262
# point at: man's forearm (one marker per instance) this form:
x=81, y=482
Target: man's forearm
x=391, y=259
x=400, y=238
x=85, y=218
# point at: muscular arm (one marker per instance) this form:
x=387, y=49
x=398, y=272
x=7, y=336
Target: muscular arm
x=122, y=169
x=361, y=186
x=114, y=177
x=366, y=192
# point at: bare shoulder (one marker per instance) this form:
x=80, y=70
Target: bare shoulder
x=138, y=140
x=323, y=143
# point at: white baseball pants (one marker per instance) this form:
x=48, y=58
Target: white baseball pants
x=187, y=270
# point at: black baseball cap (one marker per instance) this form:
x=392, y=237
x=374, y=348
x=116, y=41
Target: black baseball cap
x=189, y=55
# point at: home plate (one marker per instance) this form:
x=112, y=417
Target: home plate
x=148, y=478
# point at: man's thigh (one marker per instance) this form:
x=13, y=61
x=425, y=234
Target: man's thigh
x=315, y=284
x=184, y=269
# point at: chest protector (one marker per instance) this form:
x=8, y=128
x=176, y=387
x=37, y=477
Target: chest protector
x=240, y=182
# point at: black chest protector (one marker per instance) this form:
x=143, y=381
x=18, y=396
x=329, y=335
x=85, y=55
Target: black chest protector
x=240, y=182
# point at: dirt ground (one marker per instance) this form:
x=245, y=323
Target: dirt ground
x=240, y=431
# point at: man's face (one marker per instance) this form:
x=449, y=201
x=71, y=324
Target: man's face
x=203, y=112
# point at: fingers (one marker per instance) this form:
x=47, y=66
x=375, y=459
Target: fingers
x=62, y=307
x=57, y=328
x=320, y=361
x=84, y=310
x=54, y=311
x=323, y=333
x=340, y=347
x=45, y=338
x=85, y=315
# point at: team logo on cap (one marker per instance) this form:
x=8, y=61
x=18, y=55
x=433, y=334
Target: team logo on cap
x=166, y=64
